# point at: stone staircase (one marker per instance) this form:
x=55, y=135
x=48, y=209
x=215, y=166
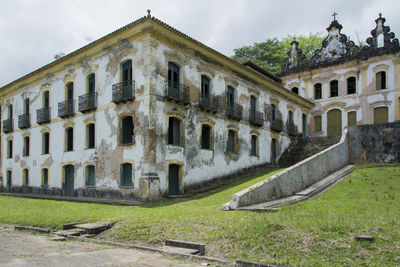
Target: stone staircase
x=303, y=148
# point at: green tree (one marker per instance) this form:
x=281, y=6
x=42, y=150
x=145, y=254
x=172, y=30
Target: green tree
x=271, y=54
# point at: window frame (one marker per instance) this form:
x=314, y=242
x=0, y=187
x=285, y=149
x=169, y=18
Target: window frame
x=254, y=145
x=334, y=88
x=69, y=139
x=90, y=135
x=350, y=84
x=90, y=182
x=26, y=146
x=122, y=175
x=175, y=129
x=124, y=127
x=10, y=148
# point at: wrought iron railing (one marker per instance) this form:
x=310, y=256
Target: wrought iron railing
x=276, y=125
x=66, y=108
x=177, y=92
x=123, y=91
x=291, y=129
x=88, y=102
x=24, y=121
x=8, y=126
x=234, y=112
x=209, y=103
x=43, y=115
x=256, y=117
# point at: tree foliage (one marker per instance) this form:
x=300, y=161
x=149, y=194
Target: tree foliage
x=271, y=54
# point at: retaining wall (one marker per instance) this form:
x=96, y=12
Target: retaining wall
x=295, y=178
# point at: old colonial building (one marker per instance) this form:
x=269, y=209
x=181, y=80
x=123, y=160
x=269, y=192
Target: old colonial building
x=349, y=85
x=141, y=113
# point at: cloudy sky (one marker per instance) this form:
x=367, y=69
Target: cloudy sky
x=32, y=32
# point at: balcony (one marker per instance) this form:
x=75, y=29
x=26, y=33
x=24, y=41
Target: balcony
x=8, y=126
x=209, y=103
x=234, y=112
x=276, y=125
x=292, y=129
x=43, y=115
x=123, y=91
x=24, y=121
x=256, y=118
x=66, y=108
x=177, y=92
x=88, y=102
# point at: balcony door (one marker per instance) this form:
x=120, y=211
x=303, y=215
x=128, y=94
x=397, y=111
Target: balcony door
x=127, y=71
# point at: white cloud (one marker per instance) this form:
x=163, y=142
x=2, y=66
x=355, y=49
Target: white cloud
x=32, y=32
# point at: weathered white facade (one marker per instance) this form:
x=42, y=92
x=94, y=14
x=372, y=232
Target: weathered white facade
x=355, y=88
x=109, y=157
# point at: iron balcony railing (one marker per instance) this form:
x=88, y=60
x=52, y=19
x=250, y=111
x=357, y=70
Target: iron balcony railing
x=24, y=121
x=43, y=115
x=234, y=112
x=88, y=102
x=276, y=125
x=66, y=108
x=177, y=92
x=123, y=91
x=256, y=117
x=209, y=103
x=8, y=126
x=292, y=129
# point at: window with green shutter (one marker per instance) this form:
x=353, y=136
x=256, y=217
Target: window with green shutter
x=45, y=176
x=69, y=139
x=126, y=131
x=381, y=115
x=90, y=128
x=46, y=143
x=174, y=129
x=231, y=142
x=381, y=80
x=126, y=174
x=90, y=172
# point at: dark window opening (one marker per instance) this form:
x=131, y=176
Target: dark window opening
x=45, y=175
x=46, y=100
x=126, y=174
x=70, y=91
x=273, y=112
x=205, y=87
x=90, y=172
x=253, y=151
x=26, y=106
x=351, y=85
x=174, y=131
x=90, y=135
x=205, y=137
x=295, y=90
x=231, y=97
x=127, y=71
x=317, y=91
x=334, y=88
x=26, y=177
x=127, y=130
x=46, y=143
x=9, y=149
x=253, y=104
x=10, y=111
x=69, y=139
x=91, y=84
x=231, y=141
x=290, y=118
x=26, y=146
x=381, y=80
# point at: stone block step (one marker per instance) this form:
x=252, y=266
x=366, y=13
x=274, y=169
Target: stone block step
x=94, y=228
x=70, y=232
x=180, y=250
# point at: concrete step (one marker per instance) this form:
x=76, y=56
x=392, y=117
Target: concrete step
x=70, y=232
x=94, y=228
x=305, y=194
x=180, y=250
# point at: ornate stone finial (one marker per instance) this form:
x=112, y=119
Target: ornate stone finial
x=148, y=13
x=334, y=15
x=380, y=15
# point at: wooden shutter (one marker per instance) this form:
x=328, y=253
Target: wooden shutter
x=91, y=135
x=91, y=175
x=351, y=119
x=46, y=99
x=127, y=174
x=127, y=130
x=127, y=71
x=70, y=92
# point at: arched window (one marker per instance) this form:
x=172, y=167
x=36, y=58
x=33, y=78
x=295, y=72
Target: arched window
x=10, y=148
x=127, y=130
x=25, y=177
x=295, y=90
x=334, y=86
x=351, y=85
x=90, y=175
x=381, y=80
x=174, y=131
x=45, y=177
x=205, y=136
x=126, y=174
x=90, y=136
x=26, y=146
x=69, y=139
x=45, y=143
x=231, y=144
x=254, y=145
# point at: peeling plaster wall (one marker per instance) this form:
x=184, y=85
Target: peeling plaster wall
x=366, y=98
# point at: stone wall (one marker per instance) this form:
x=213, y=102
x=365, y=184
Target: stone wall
x=295, y=178
x=375, y=143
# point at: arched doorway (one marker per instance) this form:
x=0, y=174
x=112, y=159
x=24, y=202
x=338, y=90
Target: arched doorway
x=68, y=189
x=173, y=179
x=334, y=122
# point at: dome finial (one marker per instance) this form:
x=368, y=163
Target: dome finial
x=148, y=13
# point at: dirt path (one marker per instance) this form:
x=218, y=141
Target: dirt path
x=25, y=249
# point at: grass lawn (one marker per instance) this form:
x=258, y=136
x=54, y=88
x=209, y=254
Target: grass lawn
x=318, y=232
